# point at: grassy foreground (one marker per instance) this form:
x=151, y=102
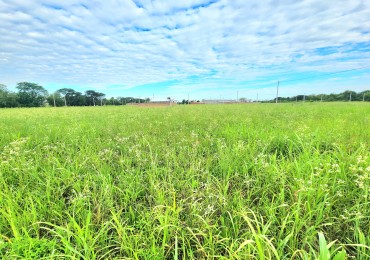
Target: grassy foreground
x=255, y=181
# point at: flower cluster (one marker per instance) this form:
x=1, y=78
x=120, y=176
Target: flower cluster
x=327, y=168
x=13, y=151
x=261, y=160
x=361, y=171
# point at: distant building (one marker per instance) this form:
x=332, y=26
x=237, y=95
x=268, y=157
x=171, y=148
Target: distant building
x=224, y=101
x=163, y=102
x=155, y=103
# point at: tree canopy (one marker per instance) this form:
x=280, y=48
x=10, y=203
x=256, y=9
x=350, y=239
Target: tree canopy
x=31, y=94
x=347, y=95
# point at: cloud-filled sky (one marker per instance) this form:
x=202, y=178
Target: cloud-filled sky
x=201, y=48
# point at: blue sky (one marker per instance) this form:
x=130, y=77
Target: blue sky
x=200, y=48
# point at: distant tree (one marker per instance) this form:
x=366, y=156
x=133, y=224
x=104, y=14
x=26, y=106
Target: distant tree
x=100, y=97
x=7, y=98
x=66, y=94
x=12, y=100
x=71, y=97
x=185, y=102
x=121, y=100
x=92, y=97
x=128, y=100
x=77, y=99
x=111, y=101
x=56, y=99
x=3, y=95
x=344, y=96
x=31, y=94
x=365, y=95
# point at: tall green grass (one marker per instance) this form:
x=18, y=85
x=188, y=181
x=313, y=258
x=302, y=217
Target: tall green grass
x=253, y=181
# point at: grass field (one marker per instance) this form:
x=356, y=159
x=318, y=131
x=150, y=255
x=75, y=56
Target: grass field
x=255, y=181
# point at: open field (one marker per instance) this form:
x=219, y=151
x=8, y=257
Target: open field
x=255, y=181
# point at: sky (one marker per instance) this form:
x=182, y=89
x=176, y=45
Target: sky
x=187, y=48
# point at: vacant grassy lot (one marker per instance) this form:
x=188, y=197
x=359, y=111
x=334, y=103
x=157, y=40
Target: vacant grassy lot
x=255, y=181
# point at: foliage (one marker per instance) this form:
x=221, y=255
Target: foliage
x=56, y=99
x=264, y=181
x=92, y=97
x=347, y=95
x=7, y=98
x=31, y=94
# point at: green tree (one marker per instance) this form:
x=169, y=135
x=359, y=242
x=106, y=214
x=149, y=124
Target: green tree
x=101, y=97
x=12, y=100
x=93, y=97
x=3, y=95
x=66, y=93
x=7, y=98
x=71, y=97
x=55, y=99
x=31, y=94
x=365, y=95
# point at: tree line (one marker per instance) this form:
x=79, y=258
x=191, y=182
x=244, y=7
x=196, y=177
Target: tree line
x=347, y=95
x=34, y=95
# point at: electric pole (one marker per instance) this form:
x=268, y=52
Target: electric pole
x=350, y=96
x=277, y=91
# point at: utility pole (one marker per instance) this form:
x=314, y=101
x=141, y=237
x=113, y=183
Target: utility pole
x=188, y=99
x=65, y=101
x=277, y=91
x=350, y=96
x=363, y=97
x=237, y=96
x=54, y=100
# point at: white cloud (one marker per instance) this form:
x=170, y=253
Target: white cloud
x=131, y=43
